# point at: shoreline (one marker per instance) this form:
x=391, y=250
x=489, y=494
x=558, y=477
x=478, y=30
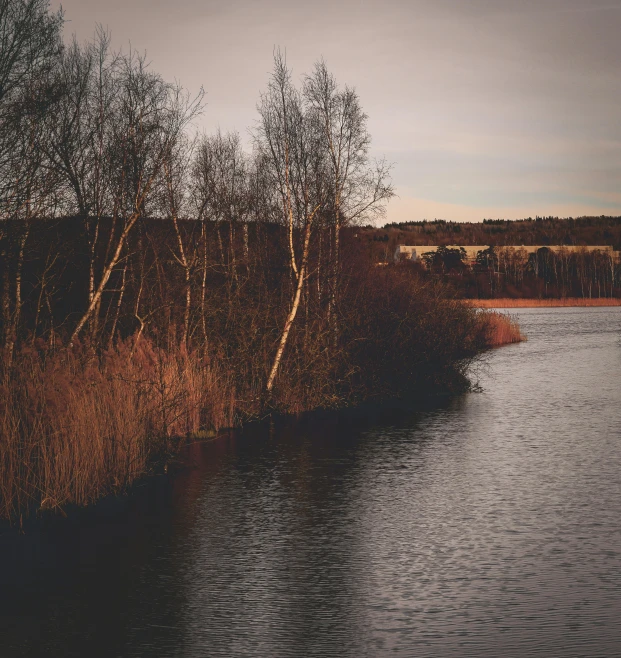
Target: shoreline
x=535, y=303
x=164, y=468
x=116, y=394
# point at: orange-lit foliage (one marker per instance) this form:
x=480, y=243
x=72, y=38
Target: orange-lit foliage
x=74, y=426
x=499, y=329
x=78, y=423
x=532, y=303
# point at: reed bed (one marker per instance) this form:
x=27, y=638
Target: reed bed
x=535, y=303
x=499, y=329
x=75, y=426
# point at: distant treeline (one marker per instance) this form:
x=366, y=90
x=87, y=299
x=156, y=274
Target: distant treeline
x=505, y=271
x=577, y=231
x=509, y=272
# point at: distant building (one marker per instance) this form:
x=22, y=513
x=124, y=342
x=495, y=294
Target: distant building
x=415, y=252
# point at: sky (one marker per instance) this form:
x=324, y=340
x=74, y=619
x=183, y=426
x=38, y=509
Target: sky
x=486, y=108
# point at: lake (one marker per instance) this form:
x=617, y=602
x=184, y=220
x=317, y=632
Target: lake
x=487, y=524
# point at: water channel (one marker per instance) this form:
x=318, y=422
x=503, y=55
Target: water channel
x=484, y=525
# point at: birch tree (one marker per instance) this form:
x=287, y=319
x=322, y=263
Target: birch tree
x=220, y=183
x=30, y=44
x=287, y=138
x=79, y=137
x=150, y=115
x=175, y=201
x=359, y=187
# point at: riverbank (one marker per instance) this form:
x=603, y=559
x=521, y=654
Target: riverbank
x=76, y=425
x=535, y=303
x=319, y=513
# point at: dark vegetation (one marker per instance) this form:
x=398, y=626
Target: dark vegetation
x=500, y=232
x=156, y=284
x=501, y=272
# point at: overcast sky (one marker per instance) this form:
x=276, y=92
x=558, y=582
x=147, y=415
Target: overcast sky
x=487, y=108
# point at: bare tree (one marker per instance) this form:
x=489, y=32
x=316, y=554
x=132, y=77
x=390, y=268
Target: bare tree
x=30, y=43
x=29, y=47
x=359, y=188
x=78, y=137
x=29, y=40
x=79, y=132
x=288, y=140
x=219, y=177
x=175, y=198
x=220, y=198
x=150, y=116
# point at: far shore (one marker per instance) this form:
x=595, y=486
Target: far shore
x=507, y=302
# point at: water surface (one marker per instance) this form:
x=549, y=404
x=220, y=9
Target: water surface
x=486, y=525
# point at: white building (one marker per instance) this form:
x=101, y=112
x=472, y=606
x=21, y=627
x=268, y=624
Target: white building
x=406, y=252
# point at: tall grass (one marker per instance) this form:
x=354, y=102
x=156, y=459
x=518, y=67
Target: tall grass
x=499, y=329
x=75, y=426
x=533, y=303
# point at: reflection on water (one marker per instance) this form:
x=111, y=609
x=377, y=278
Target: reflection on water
x=486, y=526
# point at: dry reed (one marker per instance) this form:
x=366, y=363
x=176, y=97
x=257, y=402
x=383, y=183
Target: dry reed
x=499, y=329
x=533, y=303
x=75, y=426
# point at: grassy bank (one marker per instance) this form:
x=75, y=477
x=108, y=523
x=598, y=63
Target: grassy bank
x=534, y=303
x=76, y=425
